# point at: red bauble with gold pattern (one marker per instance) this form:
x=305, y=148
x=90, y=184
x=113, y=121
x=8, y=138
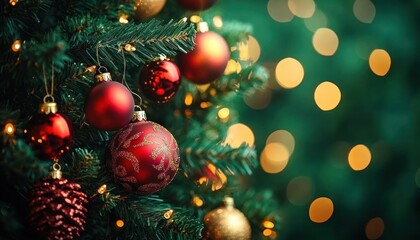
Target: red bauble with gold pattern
x=109, y=105
x=197, y=5
x=143, y=157
x=50, y=133
x=207, y=61
x=160, y=80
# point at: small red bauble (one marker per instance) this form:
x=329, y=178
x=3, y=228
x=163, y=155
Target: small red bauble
x=50, y=133
x=109, y=106
x=143, y=157
x=197, y=5
x=160, y=80
x=207, y=61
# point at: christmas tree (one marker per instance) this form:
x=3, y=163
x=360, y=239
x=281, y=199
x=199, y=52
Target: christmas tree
x=205, y=119
x=90, y=163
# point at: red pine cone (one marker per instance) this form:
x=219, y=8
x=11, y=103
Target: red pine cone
x=57, y=209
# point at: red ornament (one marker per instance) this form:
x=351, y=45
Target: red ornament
x=160, y=80
x=207, y=61
x=109, y=105
x=58, y=209
x=197, y=5
x=50, y=133
x=143, y=157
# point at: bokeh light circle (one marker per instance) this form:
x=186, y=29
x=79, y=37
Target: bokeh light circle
x=325, y=41
x=359, y=157
x=321, y=209
x=279, y=11
x=375, y=228
x=327, y=96
x=284, y=137
x=299, y=190
x=289, y=73
x=302, y=8
x=274, y=158
x=380, y=62
x=364, y=10
x=238, y=134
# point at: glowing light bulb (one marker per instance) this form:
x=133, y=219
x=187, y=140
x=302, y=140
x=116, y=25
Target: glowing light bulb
x=16, y=46
x=119, y=223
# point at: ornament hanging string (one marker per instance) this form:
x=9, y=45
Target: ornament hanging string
x=124, y=81
x=48, y=94
x=97, y=53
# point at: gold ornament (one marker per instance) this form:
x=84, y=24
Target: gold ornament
x=226, y=223
x=145, y=9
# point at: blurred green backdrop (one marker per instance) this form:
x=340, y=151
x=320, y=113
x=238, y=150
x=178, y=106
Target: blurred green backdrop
x=380, y=112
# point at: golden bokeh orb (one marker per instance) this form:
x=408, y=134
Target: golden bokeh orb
x=274, y=158
x=359, y=157
x=302, y=8
x=321, y=209
x=325, y=41
x=327, y=96
x=289, y=73
x=239, y=134
x=379, y=62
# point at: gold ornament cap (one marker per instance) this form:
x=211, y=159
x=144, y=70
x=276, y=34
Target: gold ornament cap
x=102, y=75
x=56, y=171
x=202, y=27
x=228, y=202
x=48, y=107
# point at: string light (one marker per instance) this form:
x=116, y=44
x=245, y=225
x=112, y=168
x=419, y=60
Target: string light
x=188, y=99
x=223, y=114
x=102, y=189
x=123, y=19
x=13, y=2
x=119, y=223
x=16, y=46
x=168, y=214
x=268, y=224
x=217, y=22
x=129, y=48
x=197, y=201
x=9, y=129
x=91, y=69
x=195, y=19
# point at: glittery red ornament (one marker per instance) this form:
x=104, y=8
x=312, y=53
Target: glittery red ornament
x=58, y=209
x=207, y=61
x=109, y=105
x=197, y=5
x=50, y=133
x=160, y=80
x=143, y=157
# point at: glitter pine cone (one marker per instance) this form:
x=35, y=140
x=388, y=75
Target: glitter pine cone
x=58, y=209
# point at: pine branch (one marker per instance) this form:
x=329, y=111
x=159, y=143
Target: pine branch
x=151, y=39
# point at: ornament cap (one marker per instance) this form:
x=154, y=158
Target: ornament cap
x=56, y=172
x=139, y=116
x=103, y=77
x=228, y=202
x=48, y=107
x=202, y=27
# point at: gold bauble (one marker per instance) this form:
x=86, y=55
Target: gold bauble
x=226, y=223
x=145, y=9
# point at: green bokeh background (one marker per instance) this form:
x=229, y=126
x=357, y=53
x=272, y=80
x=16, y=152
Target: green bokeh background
x=382, y=113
